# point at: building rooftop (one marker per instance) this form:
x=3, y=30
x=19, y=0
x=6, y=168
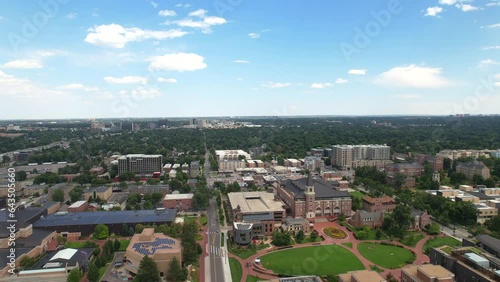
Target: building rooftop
x=322, y=188
x=150, y=243
x=428, y=270
x=98, y=189
x=254, y=202
x=61, y=258
x=362, y=276
x=489, y=241
x=383, y=199
x=35, y=239
x=77, y=204
x=178, y=196
x=105, y=217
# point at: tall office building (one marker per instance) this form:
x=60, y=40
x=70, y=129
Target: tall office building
x=140, y=164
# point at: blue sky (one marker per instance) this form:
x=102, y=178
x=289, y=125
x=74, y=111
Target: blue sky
x=96, y=59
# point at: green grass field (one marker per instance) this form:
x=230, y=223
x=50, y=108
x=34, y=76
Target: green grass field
x=245, y=253
x=440, y=241
x=123, y=245
x=385, y=255
x=251, y=278
x=349, y=245
x=357, y=194
x=320, y=260
x=410, y=241
x=203, y=220
x=236, y=269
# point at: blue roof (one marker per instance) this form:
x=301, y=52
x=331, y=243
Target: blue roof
x=107, y=217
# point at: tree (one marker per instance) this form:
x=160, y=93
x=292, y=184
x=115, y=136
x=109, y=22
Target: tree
x=74, y=275
x=117, y=245
x=314, y=235
x=399, y=221
x=21, y=175
x=58, y=195
x=101, y=231
x=124, y=232
x=299, y=237
x=175, y=272
x=76, y=194
x=390, y=278
x=433, y=228
x=27, y=262
x=148, y=271
x=281, y=239
x=5, y=159
x=93, y=274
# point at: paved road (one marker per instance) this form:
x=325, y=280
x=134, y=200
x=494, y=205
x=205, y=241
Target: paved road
x=215, y=253
x=459, y=233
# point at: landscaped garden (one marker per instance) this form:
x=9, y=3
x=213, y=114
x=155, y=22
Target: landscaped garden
x=440, y=241
x=318, y=260
x=412, y=238
x=334, y=233
x=384, y=255
x=236, y=269
x=245, y=252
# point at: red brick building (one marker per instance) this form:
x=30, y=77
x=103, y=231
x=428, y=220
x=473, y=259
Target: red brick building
x=78, y=206
x=314, y=197
x=381, y=204
x=420, y=219
x=436, y=163
x=180, y=202
x=363, y=218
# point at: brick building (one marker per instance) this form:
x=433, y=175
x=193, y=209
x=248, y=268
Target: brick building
x=381, y=204
x=178, y=201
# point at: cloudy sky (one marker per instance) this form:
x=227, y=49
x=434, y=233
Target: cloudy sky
x=94, y=59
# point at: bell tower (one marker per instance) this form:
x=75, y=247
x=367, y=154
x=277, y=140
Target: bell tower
x=310, y=195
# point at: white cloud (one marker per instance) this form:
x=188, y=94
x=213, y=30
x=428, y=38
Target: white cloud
x=198, y=13
x=447, y=2
x=272, y=84
x=319, y=85
x=357, y=71
x=488, y=62
x=497, y=84
x=412, y=76
x=11, y=85
x=340, y=80
x=77, y=86
x=467, y=7
x=126, y=80
x=254, y=35
x=23, y=64
x=167, y=13
x=204, y=24
x=167, y=80
x=433, y=11
x=491, y=26
x=497, y=76
x=183, y=5
x=71, y=15
x=155, y=5
x=117, y=36
x=178, y=62
x=492, y=4
x=241, y=61
x=146, y=93
x=239, y=78
x=491, y=47
x=406, y=96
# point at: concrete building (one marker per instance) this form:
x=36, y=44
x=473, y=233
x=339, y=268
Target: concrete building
x=361, y=276
x=230, y=160
x=294, y=225
x=181, y=202
x=78, y=206
x=254, y=215
x=34, y=189
x=313, y=163
x=162, y=249
x=140, y=164
x=457, y=154
x=473, y=168
x=426, y=273
x=467, y=263
x=194, y=169
x=381, y=204
x=103, y=193
x=344, y=155
x=150, y=189
x=312, y=197
x=485, y=212
x=489, y=244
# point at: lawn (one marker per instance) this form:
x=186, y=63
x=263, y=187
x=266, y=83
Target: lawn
x=102, y=271
x=349, y=245
x=203, y=220
x=251, y=278
x=440, y=241
x=188, y=219
x=308, y=239
x=245, y=253
x=367, y=234
x=318, y=260
x=412, y=238
x=123, y=245
x=236, y=269
x=74, y=245
x=386, y=256
x=357, y=194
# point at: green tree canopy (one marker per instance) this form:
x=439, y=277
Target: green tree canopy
x=148, y=271
x=101, y=231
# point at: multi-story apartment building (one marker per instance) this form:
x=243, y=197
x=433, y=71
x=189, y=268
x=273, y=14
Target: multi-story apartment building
x=144, y=165
x=230, y=160
x=457, y=154
x=473, y=168
x=313, y=163
x=436, y=163
x=345, y=155
x=408, y=169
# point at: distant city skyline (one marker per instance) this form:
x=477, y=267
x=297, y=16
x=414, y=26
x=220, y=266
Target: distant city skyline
x=70, y=59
